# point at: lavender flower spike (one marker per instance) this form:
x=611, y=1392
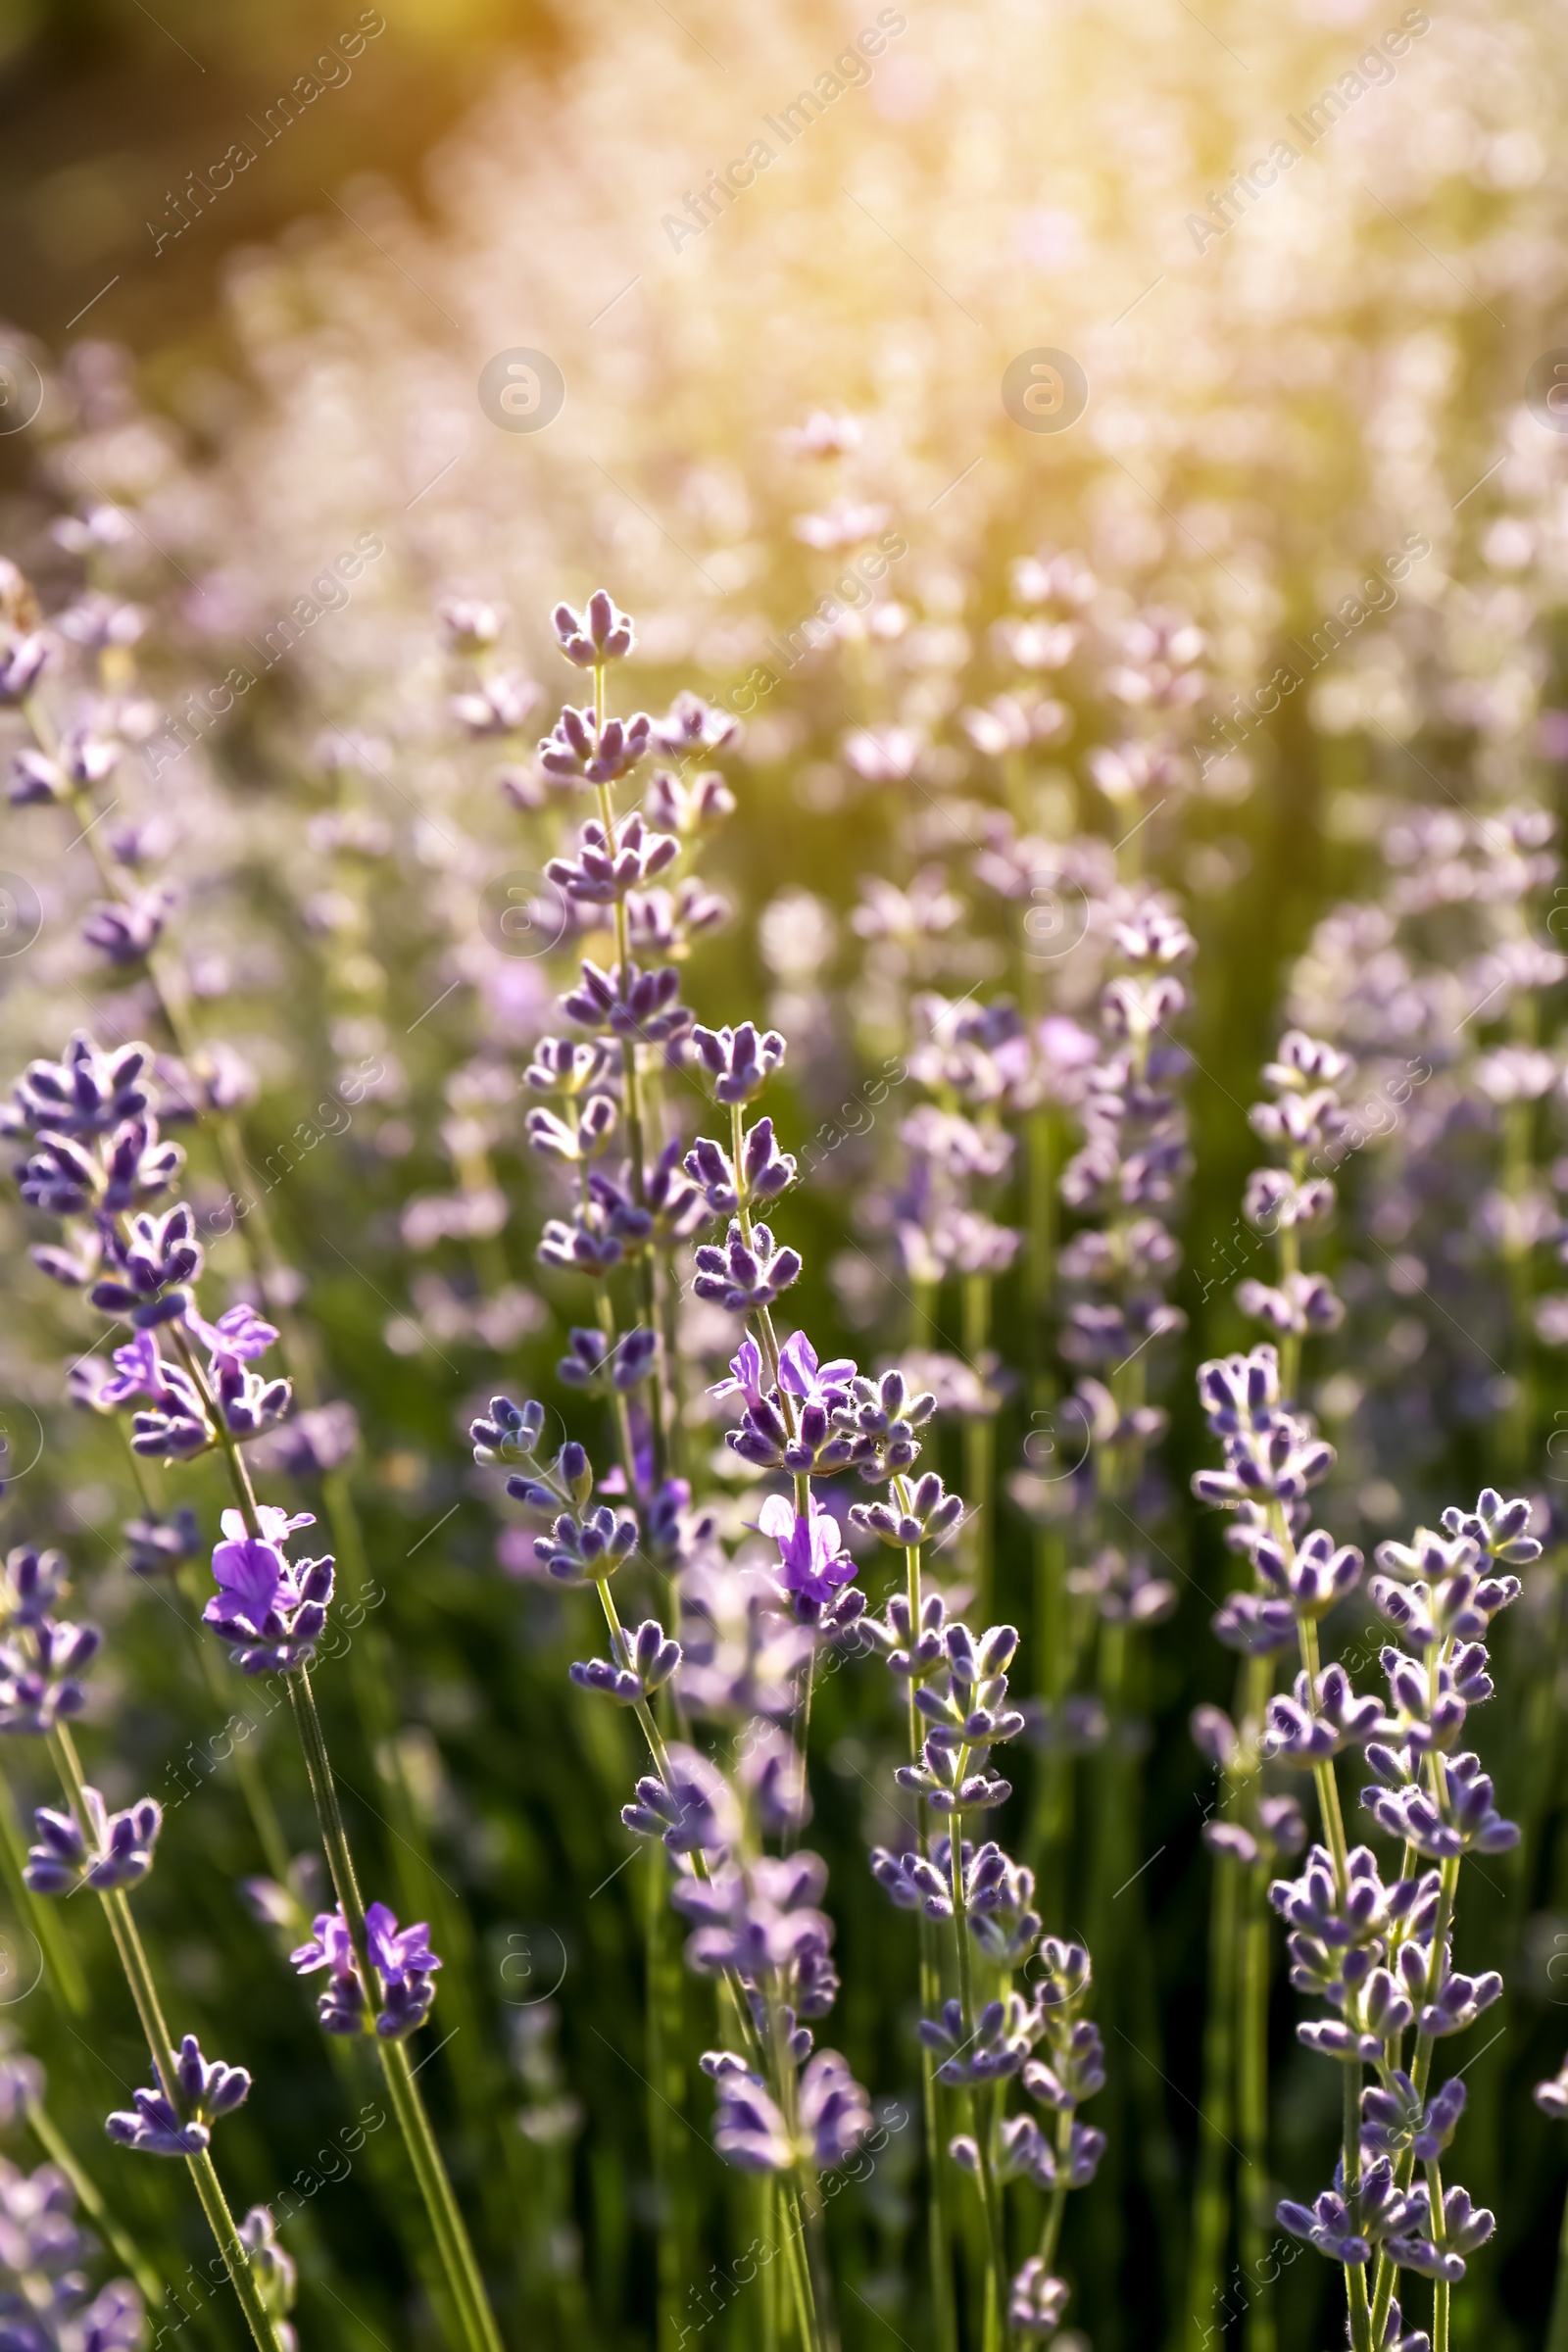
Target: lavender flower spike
x=402, y=1960
x=114, y=1849
x=270, y=1609
x=738, y=1063
x=210, y=2089
x=750, y=2130
x=1038, y=2300
x=601, y=632
x=745, y=1276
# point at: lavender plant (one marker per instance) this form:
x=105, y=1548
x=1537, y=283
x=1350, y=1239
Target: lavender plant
x=1303, y=1121
x=784, y=2108
x=1379, y=1950
x=96, y=1161
x=307, y=836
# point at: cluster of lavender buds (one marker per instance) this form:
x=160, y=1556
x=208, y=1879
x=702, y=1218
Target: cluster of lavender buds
x=44, y=2290
x=784, y=2108
x=107, y=1850
x=95, y=1160
x=401, y=1972
x=1440, y=987
x=1125, y=1177
x=1305, y=1123
x=41, y=1655
x=954, y=1692
x=1376, y=1948
x=159, y=2125
x=596, y=1100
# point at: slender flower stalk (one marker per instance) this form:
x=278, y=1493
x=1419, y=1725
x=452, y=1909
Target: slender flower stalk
x=1378, y=1951
x=1303, y=1121
x=269, y=1612
x=170, y=2120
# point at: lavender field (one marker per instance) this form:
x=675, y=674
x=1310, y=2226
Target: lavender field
x=783, y=968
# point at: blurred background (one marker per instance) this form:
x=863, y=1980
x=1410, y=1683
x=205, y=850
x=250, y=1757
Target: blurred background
x=1291, y=377
x=107, y=107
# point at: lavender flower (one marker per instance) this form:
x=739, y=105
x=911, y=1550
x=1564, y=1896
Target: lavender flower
x=644, y=1659
x=1037, y=2302
x=43, y=2282
x=750, y=2132
x=748, y=1273
x=578, y=751
x=810, y=1563
x=598, y=634
x=109, y=1850
x=270, y=1609
x=403, y=1965
x=208, y=2090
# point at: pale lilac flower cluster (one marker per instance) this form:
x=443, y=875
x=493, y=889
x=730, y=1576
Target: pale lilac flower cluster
x=42, y=1654
x=44, y=2292
x=1377, y=1949
x=756, y=1916
x=160, y=2125
x=1305, y=1124
x=403, y=1967
x=627, y=1213
x=1438, y=987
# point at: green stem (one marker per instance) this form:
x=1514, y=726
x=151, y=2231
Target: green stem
x=661, y=2046
x=979, y=1448
x=768, y=2200
x=161, y=2049
x=1354, y=2271
x=1256, y=2213
x=1557, y=2327
x=938, y=2231
x=66, y=1979
x=124, y=2248
x=795, y=2259
x=1327, y=1787
x=1442, y=2291
x=618, y=1405
x=990, y=2201
x=1056, y=2210
x=464, y=2283
x=1211, y=2200
x=1256, y=2204
x=1328, y=1797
